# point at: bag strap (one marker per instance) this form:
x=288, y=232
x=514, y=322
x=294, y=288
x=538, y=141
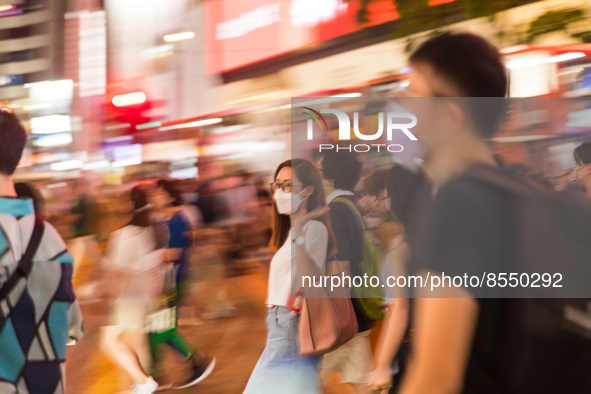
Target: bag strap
x=353, y=208
x=524, y=186
x=26, y=263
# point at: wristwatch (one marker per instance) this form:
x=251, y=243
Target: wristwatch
x=299, y=240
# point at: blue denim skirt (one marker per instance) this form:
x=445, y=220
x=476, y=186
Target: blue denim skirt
x=281, y=368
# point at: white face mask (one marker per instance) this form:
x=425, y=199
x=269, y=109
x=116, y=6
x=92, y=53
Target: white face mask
x=287, y=203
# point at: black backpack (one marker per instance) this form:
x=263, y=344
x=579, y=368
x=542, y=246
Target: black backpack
x=554, y=230
x=550, y=327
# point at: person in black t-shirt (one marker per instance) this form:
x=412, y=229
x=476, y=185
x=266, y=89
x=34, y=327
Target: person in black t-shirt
x=341, y=171
x=450, y=65
x=462, y=343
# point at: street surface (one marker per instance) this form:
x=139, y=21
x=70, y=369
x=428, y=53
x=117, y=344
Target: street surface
x=235, y=341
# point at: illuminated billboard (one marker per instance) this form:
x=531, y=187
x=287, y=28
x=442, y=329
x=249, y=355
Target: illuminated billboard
x=240, y=33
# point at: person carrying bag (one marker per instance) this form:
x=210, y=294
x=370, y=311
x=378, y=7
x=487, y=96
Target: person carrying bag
x=327, y=319
x=302, y=238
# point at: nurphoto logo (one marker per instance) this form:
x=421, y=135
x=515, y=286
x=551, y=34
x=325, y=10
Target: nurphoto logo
x=394, y=122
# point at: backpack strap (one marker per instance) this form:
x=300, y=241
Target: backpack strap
x=353, y=208
x=26, y=263
x=513, y=184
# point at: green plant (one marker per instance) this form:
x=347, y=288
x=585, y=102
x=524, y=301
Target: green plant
x=553, y=21
x=584, y=36
x=417, y=13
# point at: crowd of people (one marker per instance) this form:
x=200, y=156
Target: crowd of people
x=453, y=211
x=456, y=213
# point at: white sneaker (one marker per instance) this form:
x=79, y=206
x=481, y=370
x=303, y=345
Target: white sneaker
x=147, y=388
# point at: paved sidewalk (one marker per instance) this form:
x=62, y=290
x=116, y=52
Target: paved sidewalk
x=236, y=342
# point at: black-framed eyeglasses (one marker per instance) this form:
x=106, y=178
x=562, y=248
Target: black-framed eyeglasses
x=285, y=186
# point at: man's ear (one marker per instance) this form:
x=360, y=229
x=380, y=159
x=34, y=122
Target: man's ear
x=452, y=116
x=328, y=182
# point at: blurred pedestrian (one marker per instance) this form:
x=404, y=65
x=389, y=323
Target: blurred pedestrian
x=240, y=211
x=206, y=203
x=209, y=272
x=84, y=245
x=454, y=65
x=135, y=255
x=375, y=205
x=462, y=343
x=405, y=194
x=189, y=197
x=582, y=171
x=171, y=211
x=266, y=209
x=169, y=204
x=341, y=171
x=301, y=240
x=39, y=313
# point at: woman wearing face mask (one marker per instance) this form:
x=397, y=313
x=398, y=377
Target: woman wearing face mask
x=301, y=238
x=134, y=255
x=377, y=214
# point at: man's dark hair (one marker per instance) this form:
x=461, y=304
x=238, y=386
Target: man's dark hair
x=582, y=153
x=343, y=167
x=475, y=68
x=27, y=190
x=409, y=193
x=171, y=190
x=469, y=62
x=13, y=139
x=376, y=181
x=139, y=198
